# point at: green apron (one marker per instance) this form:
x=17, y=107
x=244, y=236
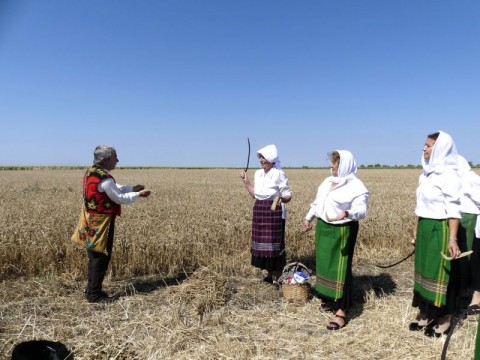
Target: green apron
x=331, y=258
x=431, y=269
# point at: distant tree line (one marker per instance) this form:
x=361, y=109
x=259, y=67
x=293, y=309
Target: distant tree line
x=371, y=166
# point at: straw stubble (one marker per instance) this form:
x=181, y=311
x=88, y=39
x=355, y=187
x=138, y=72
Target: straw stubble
x=181, y=266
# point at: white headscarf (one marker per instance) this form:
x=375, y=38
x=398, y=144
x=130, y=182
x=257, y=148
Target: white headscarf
x=347, y=167
x=270, y=154
x=444, y=154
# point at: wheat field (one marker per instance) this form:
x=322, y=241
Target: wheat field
x=181, y=268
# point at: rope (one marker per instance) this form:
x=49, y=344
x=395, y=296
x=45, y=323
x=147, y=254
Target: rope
x=398, y=262
x=462, y=316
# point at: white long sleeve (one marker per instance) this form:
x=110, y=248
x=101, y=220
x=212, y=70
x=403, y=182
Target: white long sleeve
x=119, y=194
x=438, y=196
x=352, y=196
x=470, y=199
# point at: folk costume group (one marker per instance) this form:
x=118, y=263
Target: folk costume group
x=447, y=206
x=340, y=203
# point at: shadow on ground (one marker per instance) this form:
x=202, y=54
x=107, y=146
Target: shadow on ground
x=381, y=285
x=145, y=286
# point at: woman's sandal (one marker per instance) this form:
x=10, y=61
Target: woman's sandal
x=332, y=325
x=421, y=322
x=438, y=330
x=473, y=309
x=415, y=325
x=430, y=332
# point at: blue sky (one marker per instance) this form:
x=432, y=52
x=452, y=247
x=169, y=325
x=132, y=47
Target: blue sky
x=185, y=83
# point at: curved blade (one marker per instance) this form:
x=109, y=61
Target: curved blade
x=248, y=158
x=466, y=253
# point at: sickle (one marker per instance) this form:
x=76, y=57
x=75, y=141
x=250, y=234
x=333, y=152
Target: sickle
x=398, y=262
x=248, y=158
x=463, y=254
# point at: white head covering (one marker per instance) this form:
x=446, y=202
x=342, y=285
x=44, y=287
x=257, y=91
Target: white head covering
x=270, y=154
x=444, y=154
x=347, y=166
x=347, y=169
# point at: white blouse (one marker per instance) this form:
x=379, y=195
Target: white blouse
x=470, y=200
x=268, y=185
x=438, y=195
x=351, y=196
x=477, y=229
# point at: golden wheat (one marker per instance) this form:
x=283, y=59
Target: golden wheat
x=181, y=264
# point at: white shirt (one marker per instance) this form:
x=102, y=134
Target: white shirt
x=119, y=194
x=351, y=196
x=268, y=185
x=470, y=200
x=477, y=229
x=438, y=195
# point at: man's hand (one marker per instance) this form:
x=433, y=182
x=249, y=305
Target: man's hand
x=138, y=188
x=145, y=193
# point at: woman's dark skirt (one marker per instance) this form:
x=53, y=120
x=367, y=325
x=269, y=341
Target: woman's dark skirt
x=268, y=237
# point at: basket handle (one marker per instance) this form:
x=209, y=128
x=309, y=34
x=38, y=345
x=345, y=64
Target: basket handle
x=296, y=265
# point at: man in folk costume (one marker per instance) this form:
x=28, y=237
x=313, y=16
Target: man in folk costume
x=268, y=225
x=439, y=213
x=102, y=195
x=341, y=202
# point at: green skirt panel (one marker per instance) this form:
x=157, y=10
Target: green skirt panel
x=331, y=258
x=431, y=269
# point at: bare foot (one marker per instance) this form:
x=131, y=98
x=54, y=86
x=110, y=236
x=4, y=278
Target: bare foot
x=475, y=298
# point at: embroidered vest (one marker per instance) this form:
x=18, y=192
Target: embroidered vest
x=97, y=202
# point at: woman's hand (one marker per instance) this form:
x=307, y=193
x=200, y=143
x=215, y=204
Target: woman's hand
x=247, y=183
x=243, y=176
x=284, y=199
x=307, y=225
x=453, y=248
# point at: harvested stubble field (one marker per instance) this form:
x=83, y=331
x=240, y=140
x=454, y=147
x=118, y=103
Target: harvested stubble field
x=181, y=267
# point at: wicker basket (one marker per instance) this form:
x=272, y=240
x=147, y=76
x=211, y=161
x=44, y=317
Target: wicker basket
x=297, y=293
